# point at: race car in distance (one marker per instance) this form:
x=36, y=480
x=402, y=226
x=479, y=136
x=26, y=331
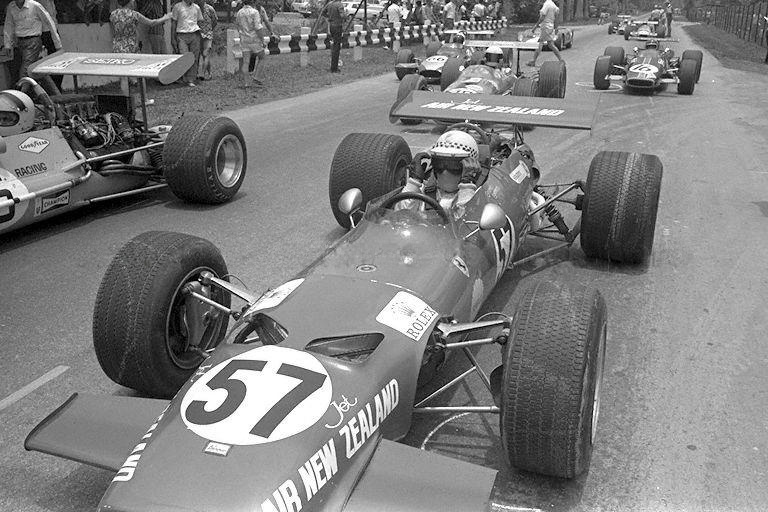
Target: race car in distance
x=437, y=54
x=64, y=151
x=618, y=25
x=649, y=69
x=498, y=78
x=563, y=37
x=644, y=30
x=299, y=405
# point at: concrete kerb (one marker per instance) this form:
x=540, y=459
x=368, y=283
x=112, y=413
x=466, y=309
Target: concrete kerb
x=392, y=37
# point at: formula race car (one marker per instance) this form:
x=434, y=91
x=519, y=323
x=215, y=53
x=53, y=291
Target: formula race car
x=563, y=37
x=437, y=55
x=63, y=151
x=298, y=406
x=483, y=78
x=649, y=69
x=618, y=25
x=644, y=30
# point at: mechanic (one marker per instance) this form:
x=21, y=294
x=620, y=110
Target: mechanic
x=25, y=21
x=17, y=113
x=494, y=57
x=453, y=160
x=548, y=19
x=336, y=18
x=185, y=34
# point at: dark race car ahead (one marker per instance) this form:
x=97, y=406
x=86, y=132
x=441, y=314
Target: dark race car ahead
x=618, y=25
x=645, y=30
x=649, y=69
x=493, y=74
x=299, y=405
x=65, y=151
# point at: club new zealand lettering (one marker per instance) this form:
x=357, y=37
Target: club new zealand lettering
x=293, y=494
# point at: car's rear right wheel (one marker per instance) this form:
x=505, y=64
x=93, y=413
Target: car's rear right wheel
x=553, y=366
x=149, y=334
x=621, y=199
x=375, y=163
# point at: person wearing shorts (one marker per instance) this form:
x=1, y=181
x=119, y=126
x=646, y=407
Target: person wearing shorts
x=548, y=23
x=206, y=38
x=250, y=25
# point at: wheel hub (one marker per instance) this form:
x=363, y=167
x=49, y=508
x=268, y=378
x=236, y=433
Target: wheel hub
x=228, y=159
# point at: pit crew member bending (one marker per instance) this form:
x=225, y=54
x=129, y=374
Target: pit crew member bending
x=453, y=160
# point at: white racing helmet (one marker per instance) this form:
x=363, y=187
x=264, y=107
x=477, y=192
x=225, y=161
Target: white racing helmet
x=493, y=56
x=459, y=38
x=450, y=148
x=17, y=113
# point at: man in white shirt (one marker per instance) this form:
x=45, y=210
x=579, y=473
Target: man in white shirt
x=478, y=11
x=449, y=15
x=548, y=20
x=25, y=21
x=185, y=34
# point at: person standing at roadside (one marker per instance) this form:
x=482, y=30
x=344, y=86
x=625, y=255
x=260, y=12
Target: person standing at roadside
x=449, y=15
x=668, y=12
x=210, y=20
x=548, y=21
x=186, y=17
x=250, y=26
x=478, y=11
x=152, y=37
x=336, y=18
x=124, y=22
x=25, y=21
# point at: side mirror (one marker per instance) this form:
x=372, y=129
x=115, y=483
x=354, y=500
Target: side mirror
x=350, y=201
x=492, y=217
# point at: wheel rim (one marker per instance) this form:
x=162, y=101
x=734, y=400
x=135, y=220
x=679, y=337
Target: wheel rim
x=598, y=383
x=190, y=326
x=228, y=159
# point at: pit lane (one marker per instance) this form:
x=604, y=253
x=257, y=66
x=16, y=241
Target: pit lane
x=683, y=419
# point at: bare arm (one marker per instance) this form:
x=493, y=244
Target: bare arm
x=9, y=30
x=159, y=21
x=48, y=23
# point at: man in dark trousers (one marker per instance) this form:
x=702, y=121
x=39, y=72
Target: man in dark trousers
x=336, y=18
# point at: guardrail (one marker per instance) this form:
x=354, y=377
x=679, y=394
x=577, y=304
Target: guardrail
x=748, y=22
x=276, y=45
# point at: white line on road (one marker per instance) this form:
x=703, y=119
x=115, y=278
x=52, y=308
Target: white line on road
x=29, y=388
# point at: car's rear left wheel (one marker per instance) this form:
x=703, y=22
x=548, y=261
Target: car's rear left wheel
x=621, y=199
x=553, y=367
x=375, y=163
x=408, y=84
x=149, y=334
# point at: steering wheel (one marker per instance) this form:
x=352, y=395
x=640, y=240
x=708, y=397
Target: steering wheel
x=401, y=196
x=485, y=137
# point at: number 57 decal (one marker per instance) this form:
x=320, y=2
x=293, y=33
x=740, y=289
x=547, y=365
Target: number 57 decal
x=260, y=396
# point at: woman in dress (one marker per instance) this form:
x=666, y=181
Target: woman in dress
x=124, y=20
x=206, y=33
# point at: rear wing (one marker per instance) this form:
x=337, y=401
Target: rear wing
x=515, y=45
x=165, y=68
x=503, y=110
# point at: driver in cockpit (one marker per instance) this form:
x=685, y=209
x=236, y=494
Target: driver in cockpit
x=453, y=160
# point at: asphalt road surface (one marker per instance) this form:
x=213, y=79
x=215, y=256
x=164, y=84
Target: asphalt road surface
x=684, y=416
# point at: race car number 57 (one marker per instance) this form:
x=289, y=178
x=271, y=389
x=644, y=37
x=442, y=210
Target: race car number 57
x=260, y=396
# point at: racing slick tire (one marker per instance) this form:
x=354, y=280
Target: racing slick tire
x=205, y=159
x=686, y=76
x=141, y=329
x=696, y=55
x=552, y=375
x=616, y=53
x=602, y=70
x=627, y=33
x=524, y=87
x=451, y=72
x=552, y=77
x=404, y=56
x=376, y=163
x=432, y=48
x=621, y=199
x=408, y=84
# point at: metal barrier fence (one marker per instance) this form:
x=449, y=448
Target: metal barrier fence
x=748, y=21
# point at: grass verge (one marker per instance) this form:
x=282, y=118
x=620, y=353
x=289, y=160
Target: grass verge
x=731, y=51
